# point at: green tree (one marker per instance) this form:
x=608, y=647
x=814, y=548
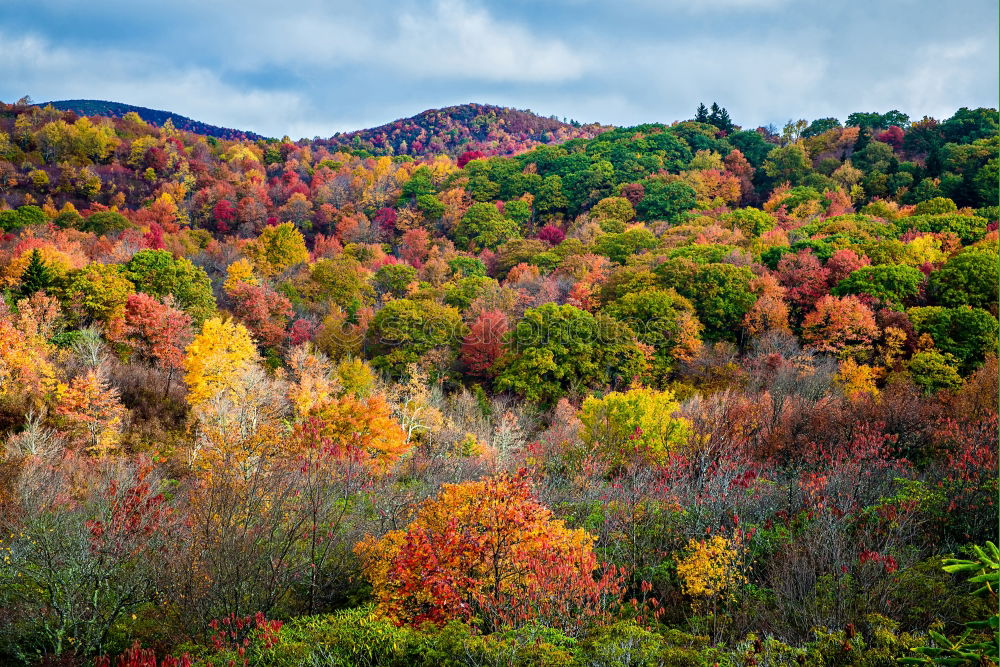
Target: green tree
x=483, y=226
x=158, y=273
x=404, y=332
x=555, y=350
x=618, y=247
x=720, y=293
x=965, y=332
x=932, y=370
x=788, y=163
x=892, y=284
x=341, y=281
x=970, y=278
x=637, y=423
x=467, y=266
x=37, y=276
x=661, y=318
x=612, y=213
x=665, y=201
x=96, y=293
x=394, y=279
x=104, y=222
x=517, y=210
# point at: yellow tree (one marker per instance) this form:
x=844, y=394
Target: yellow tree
x=710, y=571
x=278, y=248
x=217, y=358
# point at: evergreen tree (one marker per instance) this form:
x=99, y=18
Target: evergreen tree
x=725, y=122
x=37, y=276
x=713, y=117
x=701, y=115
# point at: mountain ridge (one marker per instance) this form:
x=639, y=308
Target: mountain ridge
x=464, y=128
x=158, y=117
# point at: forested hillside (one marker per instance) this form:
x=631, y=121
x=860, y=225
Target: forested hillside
x=467, y=131
x=480, y=388
x=151, y=116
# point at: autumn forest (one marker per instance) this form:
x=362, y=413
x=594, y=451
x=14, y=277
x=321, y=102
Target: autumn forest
x=481, y=387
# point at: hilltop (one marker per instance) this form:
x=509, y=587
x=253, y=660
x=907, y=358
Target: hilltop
x=492, y=130
x=155, y=117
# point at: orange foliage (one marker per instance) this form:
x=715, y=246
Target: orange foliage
x=487, y=550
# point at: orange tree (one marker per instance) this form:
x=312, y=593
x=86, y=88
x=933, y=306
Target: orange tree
x=488, y=552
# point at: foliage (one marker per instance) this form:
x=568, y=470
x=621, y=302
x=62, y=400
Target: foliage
x=554, y=350
x=216, y=359
x=487, y=551
x=638, y=423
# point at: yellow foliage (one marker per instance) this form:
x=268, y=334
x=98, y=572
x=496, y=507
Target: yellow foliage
x=240, y=272
x=277, y=248
x=923, y=250
x=857, y=379
x=364, y=425
x=216, y=359
x=710, y=570
x=639, y=421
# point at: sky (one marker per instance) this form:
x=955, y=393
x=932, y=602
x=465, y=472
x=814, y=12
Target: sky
x=313, y=67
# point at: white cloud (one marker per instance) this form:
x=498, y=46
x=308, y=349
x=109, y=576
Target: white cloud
x=942, y=77
x=47, y=72
x=456, y=40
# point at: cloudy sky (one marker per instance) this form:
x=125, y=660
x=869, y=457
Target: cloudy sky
x=313, y=67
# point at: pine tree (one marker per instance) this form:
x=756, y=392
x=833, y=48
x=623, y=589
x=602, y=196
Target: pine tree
x=701, y=115
x=37, y=277
x=713, y=117
x=725, y=122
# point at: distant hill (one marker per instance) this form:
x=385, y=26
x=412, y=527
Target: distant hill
x=152, y=116
x=490, y=129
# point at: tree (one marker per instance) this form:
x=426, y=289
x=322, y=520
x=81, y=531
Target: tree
x=819, y=126
x=710, y=571
x=701, y=114
x=612, y=213
x=157, y=332
x=360, y=424
x=665, y=200
x=842, y=325
x=105, y=222
x=720, y=293
x=619, y=247
x=554, y=350
x=751, y=221
x=487, y=550
x=404, y=332
x=484, y=343
x=278, y=248
x=92, y=411
x=37, y=276
x=637, y=424
x=263, y=311
x=159, y=274
x=933, y=370
x=788, y=163
x=965, y=332
x=342, y=281
x=483, y=226
x=663, y=319
x=96, y=293
x=969, y=278
x=216, y=359
x=394, y=279
x=804, y=278
x=892, y=285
